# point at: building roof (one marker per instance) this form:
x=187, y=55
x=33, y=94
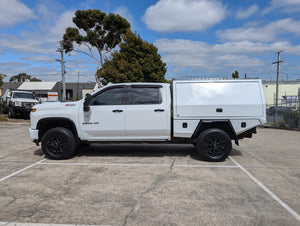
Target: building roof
x=37, y=85
x=281, y=82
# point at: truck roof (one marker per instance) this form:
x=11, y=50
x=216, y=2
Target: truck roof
x=21, y=91
x=132, y=83
x=217, y=80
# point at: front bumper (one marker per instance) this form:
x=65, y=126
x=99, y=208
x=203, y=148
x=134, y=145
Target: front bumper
x=22, y=110
x=34, y=135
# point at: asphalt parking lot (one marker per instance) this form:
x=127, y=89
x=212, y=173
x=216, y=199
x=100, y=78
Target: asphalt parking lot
x=117, y=184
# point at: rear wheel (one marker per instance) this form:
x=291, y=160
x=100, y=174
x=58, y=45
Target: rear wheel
x=58, y=143
x=214, y=144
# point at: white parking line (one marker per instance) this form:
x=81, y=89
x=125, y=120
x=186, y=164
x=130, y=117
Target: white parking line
x=206, y=166
x=21, y=170
x=275, y=197
x=132, y=165
x=101, y=164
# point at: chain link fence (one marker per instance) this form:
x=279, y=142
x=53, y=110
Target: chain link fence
x=286, y=114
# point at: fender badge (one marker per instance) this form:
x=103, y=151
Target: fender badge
x=90, y=123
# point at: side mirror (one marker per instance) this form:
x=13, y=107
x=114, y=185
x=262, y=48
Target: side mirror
x=87, y=102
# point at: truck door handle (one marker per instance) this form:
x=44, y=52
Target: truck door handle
x=117, y=111
x=159, y=110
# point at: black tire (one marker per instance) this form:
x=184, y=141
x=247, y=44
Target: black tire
x=4, y=110
x=214, y=145
x=11, y=112
x=58, y=143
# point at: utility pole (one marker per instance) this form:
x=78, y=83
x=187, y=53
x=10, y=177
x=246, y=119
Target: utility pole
x=78, y=85
x=277, y=81
x=62, y=62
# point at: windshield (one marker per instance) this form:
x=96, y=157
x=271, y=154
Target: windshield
x=24, y=95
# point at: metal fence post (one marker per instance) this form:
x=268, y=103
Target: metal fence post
x=299, y=114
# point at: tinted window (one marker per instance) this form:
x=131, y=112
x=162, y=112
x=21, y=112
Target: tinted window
x=145, y=95
x=109, y=97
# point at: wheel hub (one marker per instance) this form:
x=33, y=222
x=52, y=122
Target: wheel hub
x=55, y=145
x=215, y=146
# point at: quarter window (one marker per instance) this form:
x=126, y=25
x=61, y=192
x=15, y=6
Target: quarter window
x=145, y=95
x=109, y=97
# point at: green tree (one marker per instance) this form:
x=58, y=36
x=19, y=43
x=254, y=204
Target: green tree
x=137, y=61
x=34, y=79
x=235, y=74
x=95, y=30
x=23, y=77
x=2, y=76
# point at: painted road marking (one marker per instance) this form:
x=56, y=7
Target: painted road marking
x=275, y=197
x=21, y=170
x=132, y=165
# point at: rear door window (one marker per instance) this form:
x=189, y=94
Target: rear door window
x=145, y=95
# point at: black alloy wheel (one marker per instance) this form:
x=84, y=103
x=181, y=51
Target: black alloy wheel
x=214, y=144
x=58, y=143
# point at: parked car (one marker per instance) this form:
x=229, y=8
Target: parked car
x=18, y=102
x=280, y=110
x=207, y=113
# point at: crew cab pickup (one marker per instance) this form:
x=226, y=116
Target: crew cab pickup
x=206, y=113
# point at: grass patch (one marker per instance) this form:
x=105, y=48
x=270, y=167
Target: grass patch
x=3, y=117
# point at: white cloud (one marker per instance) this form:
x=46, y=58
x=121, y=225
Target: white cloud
x=267, y=33
x=38, y=40
x=287, y=6
x=243, y=14
x=124, y=12
x=13, y=64
x=41, y=58
x=64, y=20
x=13, y=12
x=181, y=55
x=184, y=15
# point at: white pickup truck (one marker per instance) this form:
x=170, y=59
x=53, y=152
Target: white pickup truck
x=206, y=113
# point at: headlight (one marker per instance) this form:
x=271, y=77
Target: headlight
x=33, y=109
x=18, y=104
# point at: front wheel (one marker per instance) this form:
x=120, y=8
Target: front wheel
x=58, y=143
x=4, y=110
x=11, y=112
x=214, y=145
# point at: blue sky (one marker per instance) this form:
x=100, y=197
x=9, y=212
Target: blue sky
x=196, y=38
